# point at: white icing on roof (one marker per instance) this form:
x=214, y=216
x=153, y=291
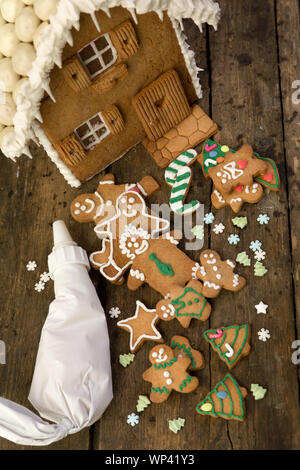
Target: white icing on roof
x=49, y=40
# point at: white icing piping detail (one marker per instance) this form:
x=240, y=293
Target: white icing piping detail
x=54, y=38
x=92, y=205
x=230, y=263
x=211, y=285
x=54, y=157
x=189, y=56
x=137, y=274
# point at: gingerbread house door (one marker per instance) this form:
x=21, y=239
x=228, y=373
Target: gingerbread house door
x=162, y=105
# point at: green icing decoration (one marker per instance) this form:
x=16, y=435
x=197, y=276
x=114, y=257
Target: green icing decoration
x=228, y=360
x=163, y=268
x=181, y=304
x=187, y=351
x=240, y=222
x=243, y=259
x=219, y=153
x=159, y=390
x=198, y=231
x=143, y=402
x=258, y=391
x=126, y=359
x=176, y=424
x=186, y=381
x=259, y=269
x=214, y=392
x=165, y=364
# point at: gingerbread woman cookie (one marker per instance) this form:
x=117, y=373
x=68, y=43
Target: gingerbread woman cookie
x=217, y=274
x=168, y=373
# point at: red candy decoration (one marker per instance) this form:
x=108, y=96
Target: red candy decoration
x=239, y=188
x=268, y=177
x=242, y=164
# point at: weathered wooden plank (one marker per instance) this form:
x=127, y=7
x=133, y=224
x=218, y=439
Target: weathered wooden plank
x=33, y=195
x=246, y=103
x=288, y=28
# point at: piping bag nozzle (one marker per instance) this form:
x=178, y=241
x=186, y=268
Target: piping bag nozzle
x=65, y=250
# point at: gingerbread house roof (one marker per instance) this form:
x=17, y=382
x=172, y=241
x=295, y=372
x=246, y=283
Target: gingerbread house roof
x=33, y=34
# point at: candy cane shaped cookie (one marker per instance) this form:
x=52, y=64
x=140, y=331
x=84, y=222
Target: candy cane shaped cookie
x=179, y=191
x=179, y=175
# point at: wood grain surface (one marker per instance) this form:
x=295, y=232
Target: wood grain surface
x=250, y=64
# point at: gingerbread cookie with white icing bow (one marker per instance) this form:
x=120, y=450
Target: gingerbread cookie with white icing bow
x=217, y=274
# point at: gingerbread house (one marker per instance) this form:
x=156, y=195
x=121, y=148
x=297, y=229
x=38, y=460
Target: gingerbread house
x=89, y=79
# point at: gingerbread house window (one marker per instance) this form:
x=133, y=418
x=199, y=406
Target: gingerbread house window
x=98, y=55
x=91, y=132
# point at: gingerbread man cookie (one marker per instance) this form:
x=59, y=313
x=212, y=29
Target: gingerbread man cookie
x=162, y=265
x=125, y=235
x=184, y=303
x=182, y=348
x=217, y=274
x=168, y=373
x=237, y=197
x=213, y=154
x=237, y=169
x=101, y=205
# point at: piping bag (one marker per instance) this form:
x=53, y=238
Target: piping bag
x=72, y=384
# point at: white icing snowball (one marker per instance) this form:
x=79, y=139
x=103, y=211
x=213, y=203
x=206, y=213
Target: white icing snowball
x=38, y=33
x=45, y=8
x=8, y=39
x=17, y=88
x=10, y=9
x=8, y=76
x=2, y=20
x=7, y=110
x=4, y=132
x=26, y=24
x=23, y=56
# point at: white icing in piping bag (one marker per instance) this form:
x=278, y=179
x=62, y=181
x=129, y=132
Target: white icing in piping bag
x=71, y=385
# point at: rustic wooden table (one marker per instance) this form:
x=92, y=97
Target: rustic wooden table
x=250, y=65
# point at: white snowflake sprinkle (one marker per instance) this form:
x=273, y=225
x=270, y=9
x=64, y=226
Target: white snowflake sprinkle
x=39, y=286
x=218, y=228
x=233, y=239
x=261, y=308
x=31, y=265
x=45, y=277
x=263, y=335
x=255, y=245
x=133, y=419
x=263, y=219
x=209, y=218
x=114, y=312
x=259, y=255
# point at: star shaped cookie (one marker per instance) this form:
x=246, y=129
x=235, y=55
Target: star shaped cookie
x=142, y=327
